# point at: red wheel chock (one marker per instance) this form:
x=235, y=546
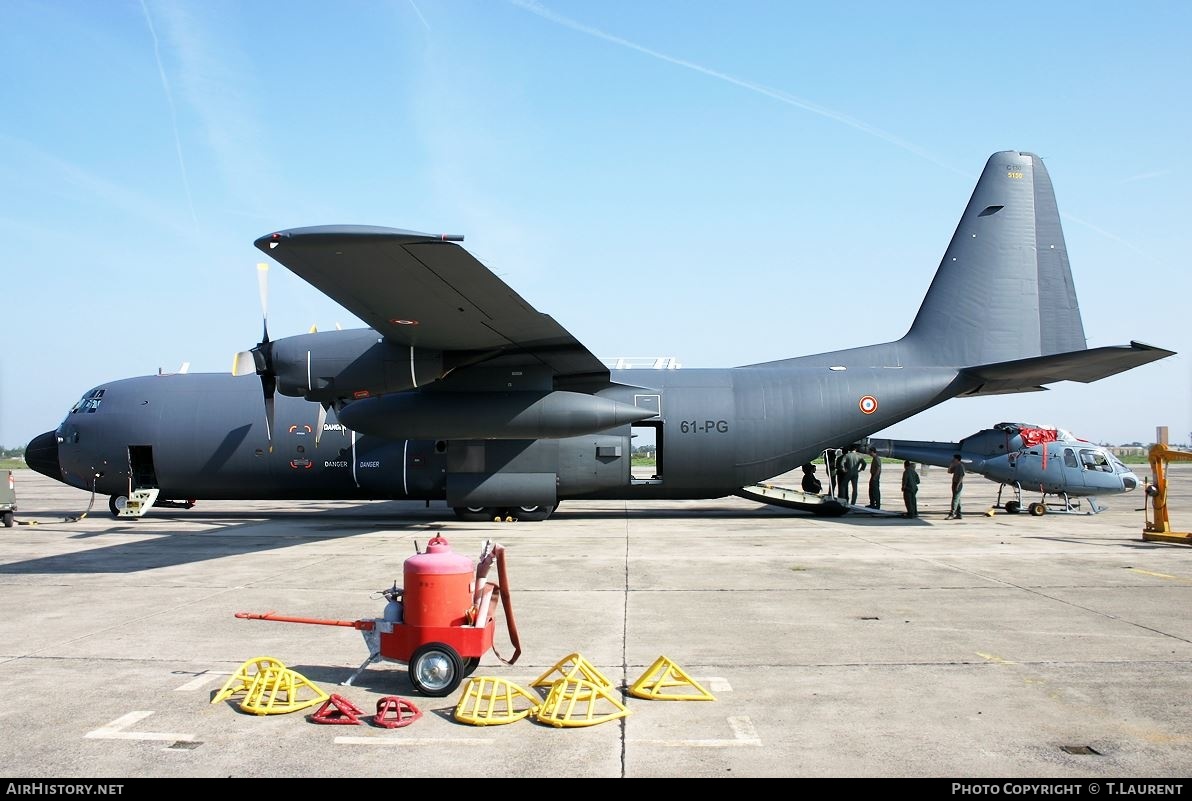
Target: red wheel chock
x=337, y=709
x=394, y=712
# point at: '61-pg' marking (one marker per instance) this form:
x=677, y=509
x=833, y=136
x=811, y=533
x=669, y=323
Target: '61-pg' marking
x=704, y=426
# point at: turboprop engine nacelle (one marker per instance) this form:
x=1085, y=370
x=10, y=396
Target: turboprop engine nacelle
x=487, y=415
x=332, y=365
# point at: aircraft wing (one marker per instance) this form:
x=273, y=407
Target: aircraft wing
x=428, y=292
x=1086, y=366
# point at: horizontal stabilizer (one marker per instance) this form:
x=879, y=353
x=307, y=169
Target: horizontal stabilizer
x=1085, y=366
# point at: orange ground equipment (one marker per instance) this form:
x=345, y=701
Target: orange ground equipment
x=440, y=624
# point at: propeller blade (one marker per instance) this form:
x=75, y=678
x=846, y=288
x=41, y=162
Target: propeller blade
x=314, y=329
x=263, y=286
x=243, y=363
x=269, y=388
x=322, y=422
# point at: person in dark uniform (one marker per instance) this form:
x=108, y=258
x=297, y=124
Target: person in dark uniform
x=910, y=489
x=811, y=484
x=852, y=464
x=875, y=480
x=830, y=461
x=957, y=471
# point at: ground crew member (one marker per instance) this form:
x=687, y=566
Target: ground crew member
x=957, y=471
x=851, y=465
x=811, y=484
x=910, y=489
x=875, y=474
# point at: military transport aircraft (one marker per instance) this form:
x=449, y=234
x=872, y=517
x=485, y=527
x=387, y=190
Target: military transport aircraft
x=1023, y=457
x=461, y=392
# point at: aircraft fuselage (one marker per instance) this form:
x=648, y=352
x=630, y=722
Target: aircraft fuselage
x=203, y=436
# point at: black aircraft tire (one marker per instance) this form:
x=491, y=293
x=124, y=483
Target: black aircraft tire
x=532, y=513
x=8, y=519
x=476, y=514
x=1037, y=509
x=116, y=503
x=435, y=669
x=1013, y=507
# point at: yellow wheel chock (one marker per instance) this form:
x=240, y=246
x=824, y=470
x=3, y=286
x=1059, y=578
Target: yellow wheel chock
x=573, y=702
x=488, y=701
x=657, y=681
x=572, y=666
x=276, y=691
x=243, y=678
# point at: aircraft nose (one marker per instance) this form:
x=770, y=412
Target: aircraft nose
x=42, y=455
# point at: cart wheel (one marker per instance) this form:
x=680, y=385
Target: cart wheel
x=470, y=665
x=8, y=524
x=1037, y=509
x=116, y=503
x=435, y=669
x=1013, y=507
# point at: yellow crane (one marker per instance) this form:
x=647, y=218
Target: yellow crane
x=1158, y=524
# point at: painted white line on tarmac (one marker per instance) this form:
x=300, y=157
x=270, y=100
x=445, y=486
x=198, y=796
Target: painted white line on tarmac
x=385, y=740
x=746, y=735
x=115, y=730
x=717, y=684
x=200, y=680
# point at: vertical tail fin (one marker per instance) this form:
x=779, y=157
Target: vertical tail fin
x=1004, y=289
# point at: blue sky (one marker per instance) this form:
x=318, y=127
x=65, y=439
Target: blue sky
x=727, y=183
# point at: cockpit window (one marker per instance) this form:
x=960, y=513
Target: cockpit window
x=88, y=403
x=1095, y=460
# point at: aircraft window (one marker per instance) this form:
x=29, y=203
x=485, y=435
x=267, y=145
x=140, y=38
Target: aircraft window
x=1069, y=458
x=1095, y=460
x=88, y=403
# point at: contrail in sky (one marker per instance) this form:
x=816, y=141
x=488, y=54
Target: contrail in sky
x=165, y=84
x=776, y=94
x=419, y=13
x=535, y=8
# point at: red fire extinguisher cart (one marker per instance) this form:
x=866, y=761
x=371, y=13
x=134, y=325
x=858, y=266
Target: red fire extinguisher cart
x=440, y=623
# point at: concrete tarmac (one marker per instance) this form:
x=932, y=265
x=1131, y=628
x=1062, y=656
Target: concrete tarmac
x=862, y=646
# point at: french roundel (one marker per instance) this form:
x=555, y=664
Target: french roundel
x=868, y=404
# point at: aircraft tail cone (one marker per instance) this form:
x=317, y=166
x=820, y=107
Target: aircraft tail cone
x=488, y=701
x=666, y=681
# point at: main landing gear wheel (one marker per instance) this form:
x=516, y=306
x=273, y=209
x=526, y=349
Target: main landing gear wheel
x=532, y=513
x=116, y=503
x=476, y=514
x=436, y=669
x=1013, y=507
x=1037, y=509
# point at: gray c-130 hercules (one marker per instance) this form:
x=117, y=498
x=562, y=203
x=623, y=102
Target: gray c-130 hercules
x=461, y=392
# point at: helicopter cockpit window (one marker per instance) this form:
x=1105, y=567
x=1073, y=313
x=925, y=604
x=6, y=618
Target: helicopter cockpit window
x=1095, y=460
x=1069, y=458
x=88, y=403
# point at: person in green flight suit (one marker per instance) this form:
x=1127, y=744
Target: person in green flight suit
x=957, y=471
x=910, y=489
x=851, y=465
x=875, y=480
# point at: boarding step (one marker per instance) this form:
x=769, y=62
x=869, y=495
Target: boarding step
x=825, y=505
x=139, y=502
